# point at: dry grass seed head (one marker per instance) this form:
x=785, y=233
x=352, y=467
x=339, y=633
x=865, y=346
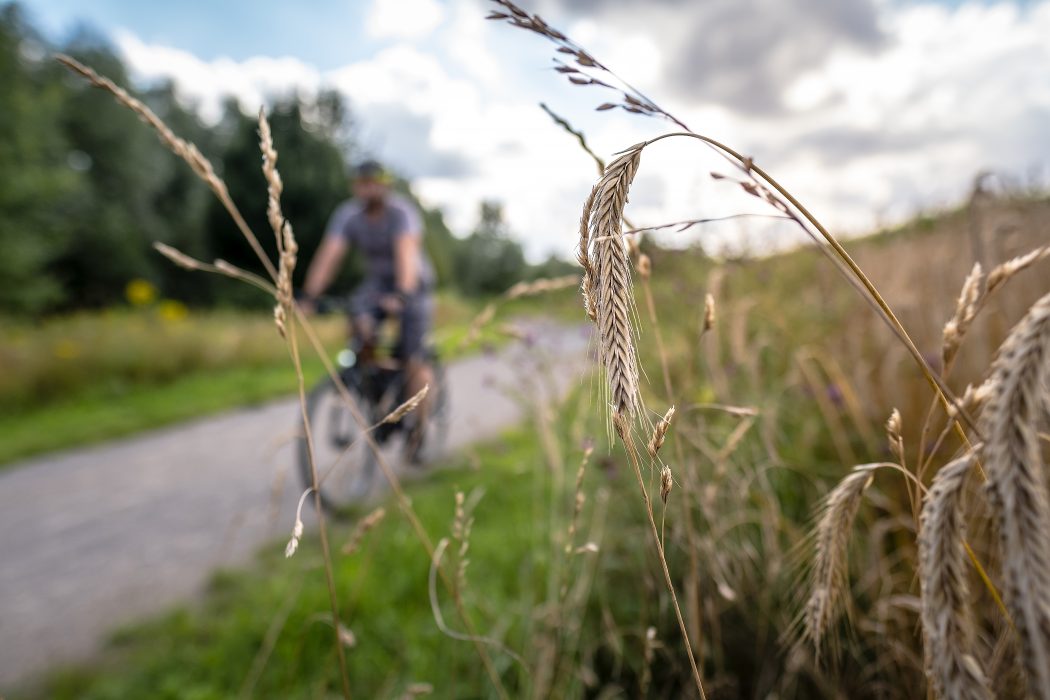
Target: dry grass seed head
x=644, y=266
x=297, y=528
x=943, y=569
x=965, y=310
x=287, y=248
x=829, y=572
x=660, y=433
x=364, y=526
x=407, y=407
x=666, y=483
x=540, y=286
x=415, y=690
x=1000, y=274
x=578, y=500
x=179, y=258
x=461, y=527
x=973, y=398
x=709, y=314
x=893, y=434
x=1017, y=485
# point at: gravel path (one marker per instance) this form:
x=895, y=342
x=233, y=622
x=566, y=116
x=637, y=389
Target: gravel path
x=92, y=539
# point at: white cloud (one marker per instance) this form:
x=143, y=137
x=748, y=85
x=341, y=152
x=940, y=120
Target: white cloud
x=403, y=19
x=206, y=83
x=863, y=135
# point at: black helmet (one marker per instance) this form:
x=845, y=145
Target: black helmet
x=372, y=170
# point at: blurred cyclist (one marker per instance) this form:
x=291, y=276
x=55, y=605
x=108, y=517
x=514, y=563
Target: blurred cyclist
x=388, y=231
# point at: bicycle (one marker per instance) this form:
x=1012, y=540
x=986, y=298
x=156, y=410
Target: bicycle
x=375, y=381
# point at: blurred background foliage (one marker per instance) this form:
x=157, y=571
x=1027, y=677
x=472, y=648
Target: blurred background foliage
x=85, y=190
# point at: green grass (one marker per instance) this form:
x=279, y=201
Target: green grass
x=83, y=379
x=108, y=413
x=207, y=650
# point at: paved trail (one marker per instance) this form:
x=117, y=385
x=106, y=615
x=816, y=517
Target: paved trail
x=95, y=538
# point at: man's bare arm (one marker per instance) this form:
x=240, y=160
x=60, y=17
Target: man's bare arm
x=406, y=262
x=324, y=265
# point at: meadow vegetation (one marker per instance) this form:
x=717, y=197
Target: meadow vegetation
x=759, y=474
x=90, y=376
x=848, y=498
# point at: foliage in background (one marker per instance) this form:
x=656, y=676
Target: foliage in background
x=91, y=376
x=84, y=192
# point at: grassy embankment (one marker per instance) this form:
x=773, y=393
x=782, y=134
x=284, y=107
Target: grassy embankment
x=89, y=377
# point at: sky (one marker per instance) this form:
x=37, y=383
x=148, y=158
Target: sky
x=869, y=111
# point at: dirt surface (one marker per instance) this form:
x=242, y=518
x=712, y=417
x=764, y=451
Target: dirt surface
x=96, y=538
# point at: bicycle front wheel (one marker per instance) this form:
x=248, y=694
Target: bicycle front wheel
x=343, y=463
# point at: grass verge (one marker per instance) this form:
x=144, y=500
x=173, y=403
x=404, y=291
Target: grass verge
x=104, y=414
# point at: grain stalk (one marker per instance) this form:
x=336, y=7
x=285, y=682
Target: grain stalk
x=623, y=430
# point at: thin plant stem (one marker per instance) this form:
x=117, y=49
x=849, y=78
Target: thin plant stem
x=632, y=454
x=404, y=504
x=687, y=479
x=886, y=312
x=293, y=346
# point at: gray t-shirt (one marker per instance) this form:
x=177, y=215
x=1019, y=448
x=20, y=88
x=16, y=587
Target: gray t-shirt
x=374, y=238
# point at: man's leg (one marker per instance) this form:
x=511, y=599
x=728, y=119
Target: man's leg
x=364, y=322
x=415, y=323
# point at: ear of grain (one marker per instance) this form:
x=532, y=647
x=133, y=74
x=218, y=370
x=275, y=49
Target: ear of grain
x=364, y=526
x=829, y=574
x=946, y=620
x=1000, y=274
x=1017, y=484
x=407, y=407
x=709, y=314
x=660, y=433
x=893, y=435
x=287, y=248
x=965, y=311
x=611, y=292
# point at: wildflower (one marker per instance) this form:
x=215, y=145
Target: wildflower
x=140, y=292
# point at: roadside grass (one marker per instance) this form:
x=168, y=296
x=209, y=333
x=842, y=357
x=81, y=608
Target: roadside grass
x=208, y=650
x=92, y=377
x=109, y=412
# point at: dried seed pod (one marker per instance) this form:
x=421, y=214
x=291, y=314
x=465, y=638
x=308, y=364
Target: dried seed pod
x=893, y=433
x=644, y=266
x=709, y=314
x=660, y=432
x=666, y=483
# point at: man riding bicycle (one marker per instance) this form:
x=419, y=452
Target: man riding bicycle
x=399, y=279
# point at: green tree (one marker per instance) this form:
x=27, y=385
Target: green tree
x=489, y=260
x=181, y=201
x=313, y=168
x=112, y=221
x=37, y=186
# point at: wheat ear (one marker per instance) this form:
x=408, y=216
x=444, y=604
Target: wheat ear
x=611, y=295
x=946, y=620
x=1017, y=484
x=829, y=566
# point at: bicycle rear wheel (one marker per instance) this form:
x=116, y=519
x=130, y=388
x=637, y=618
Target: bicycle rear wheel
x=345, y=466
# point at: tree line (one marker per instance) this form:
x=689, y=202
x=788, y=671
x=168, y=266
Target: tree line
x=85, y=189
